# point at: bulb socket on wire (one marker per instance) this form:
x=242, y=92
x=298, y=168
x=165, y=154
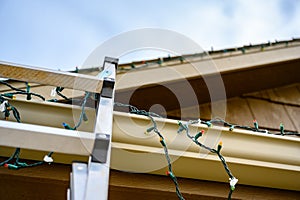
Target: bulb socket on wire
x=199, y=134
x=67, y=126
x=11, y=166
x=162, y=141
x=168, y=173
x=255, y=123
x=181, y=127
x=281, y=127
x=219, y=146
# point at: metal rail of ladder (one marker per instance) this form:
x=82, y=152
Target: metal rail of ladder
x=88, y=181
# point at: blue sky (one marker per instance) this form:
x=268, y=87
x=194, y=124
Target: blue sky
x=60, y=34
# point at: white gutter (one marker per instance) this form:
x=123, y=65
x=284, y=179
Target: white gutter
x=254, y=158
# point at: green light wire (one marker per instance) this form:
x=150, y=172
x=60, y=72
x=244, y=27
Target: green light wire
x=150, y=115
x=16, y=154
x=82, y=114
x=185, y=127
x=20, y=91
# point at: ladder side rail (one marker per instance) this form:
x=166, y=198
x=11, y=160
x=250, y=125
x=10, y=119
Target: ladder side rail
x=97, y=175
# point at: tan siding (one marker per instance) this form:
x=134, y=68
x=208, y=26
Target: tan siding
x=270, y=115
x=238, y=112
x=289, y=94
x=294, y=113
x=268, y=107
x=205, y=111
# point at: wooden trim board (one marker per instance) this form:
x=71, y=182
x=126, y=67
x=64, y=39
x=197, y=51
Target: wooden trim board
x=50, y=77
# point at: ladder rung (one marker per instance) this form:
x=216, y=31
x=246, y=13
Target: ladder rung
x=44, y=138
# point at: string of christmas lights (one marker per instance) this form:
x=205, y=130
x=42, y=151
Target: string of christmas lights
x=26, y=92
x=17, y=164
x=58, y=91
x=154, y=128
x=221, y=122
x=243, y=49
x=185, y=127
x=82, y=116
x=6, y=108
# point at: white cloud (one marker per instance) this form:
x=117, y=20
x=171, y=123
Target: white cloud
x=63, y=33
x=235, y=23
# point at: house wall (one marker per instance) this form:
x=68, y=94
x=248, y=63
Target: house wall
x=269, y=107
